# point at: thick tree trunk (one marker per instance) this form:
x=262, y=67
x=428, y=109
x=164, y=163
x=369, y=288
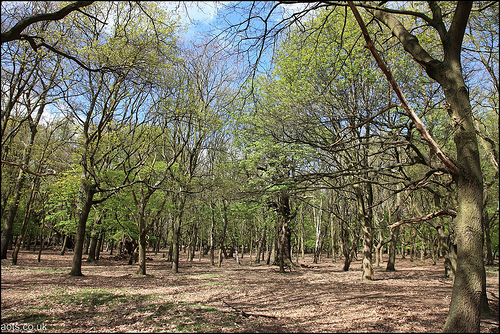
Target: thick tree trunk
x=464, y=314
x=466, y=301
x=284, y=232
x=391, y=262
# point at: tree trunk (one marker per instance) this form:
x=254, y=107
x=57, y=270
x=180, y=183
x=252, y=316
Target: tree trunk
x=251, y=247
x=317, y=219
x=93, y=243
x=141, y=270
x=41, y=245
x=333, y=241
x=76, y=266
x=378, y=248
x=284, y=231
x=65, y=242
x=111, y=246
x=365, y=217
x=302, y=228
x=392, y=249
x=403, y=243
x=176, y=231
x=212, y=236
x=465, y=306
x=487, y=239
x=99, y=246
x=11, y=215
x=466, y=298
x=27, y=214
x=224, y=231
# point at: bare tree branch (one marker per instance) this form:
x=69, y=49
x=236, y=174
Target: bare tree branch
x=411, y=113
x=15, y=32
x=445, y=212
x=53, y=173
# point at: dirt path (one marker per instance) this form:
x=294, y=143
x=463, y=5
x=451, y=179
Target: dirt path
x=233, y=298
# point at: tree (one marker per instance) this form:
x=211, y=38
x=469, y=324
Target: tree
x=30, y=96
x=469, y=283
x=449, y=25
x=104, y=102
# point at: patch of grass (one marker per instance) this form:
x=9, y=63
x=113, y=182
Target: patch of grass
x=49, y=270
x=95, y=297
x=206, y=275
x=25, y=317
x=194, y=317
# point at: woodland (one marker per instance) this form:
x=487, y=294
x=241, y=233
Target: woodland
x=305, y=150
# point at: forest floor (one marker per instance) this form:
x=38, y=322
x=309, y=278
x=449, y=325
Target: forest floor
x=110, y=297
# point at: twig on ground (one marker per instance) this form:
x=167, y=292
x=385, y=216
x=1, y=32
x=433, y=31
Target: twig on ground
x=246, y=315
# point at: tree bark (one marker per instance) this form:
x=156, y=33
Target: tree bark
x=391, y=262
x=365, y=217
x=76, y=266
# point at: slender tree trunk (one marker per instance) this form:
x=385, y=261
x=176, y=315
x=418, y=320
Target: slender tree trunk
x=76, y=266
x=212, y=236
x=41, y=245
x=365, y=219
x=99, y=246
x=302, y=228
x=65, y=243
x=317, y=219
x=333, y=241
x=487, y=235
x=94, y=240
x=27, y=214
x=111, y=246
x=11, y=215
x=176, y=230
x=224, y=231
x=272, y=255
x=93, y=246
x=260, y=245
x=251, y=246
x=378, y=248
x=422, y=248
x=403, y=243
